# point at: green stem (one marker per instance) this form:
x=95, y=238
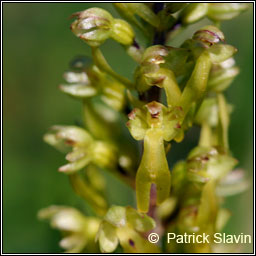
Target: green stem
x=196, y=85
x=205, y=136
x=90, y=195
x=101, y=62
x=172, y=89
x=94, y=121
x=223, y=121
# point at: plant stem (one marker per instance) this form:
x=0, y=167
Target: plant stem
x=205, y=135
x=154, y=93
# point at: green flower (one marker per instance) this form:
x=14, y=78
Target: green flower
x=214, y=11
x=211, y=38
x=123, y=225
x=136, y=12
x=206, y=164
x=209, y=34
x=193, y=77
x=86, y=81
x=157, y=69
x=193, y=12
x=225, y=11
x=85, y=149
x=234, y=183
x=78, y=230
x=222, y=75
x=95, y=26
x=154, y=124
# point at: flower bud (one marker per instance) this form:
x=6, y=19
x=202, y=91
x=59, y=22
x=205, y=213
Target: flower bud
x=150, y=63
x=154, y=55
x=129, y=10
x=209, y=35
x=93, y=25
x=194, y=12
x=210, y=38
x=221, y=52
x=234, y=183
x=215, y=11
x=225, y=11
x=153, y=72
x=122, y=32
x=222, y=75
x=205, y=164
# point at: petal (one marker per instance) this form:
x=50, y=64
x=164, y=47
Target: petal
x=75, y=166
x=140, y=221
x=116, y=215
x=107, y=237
x=78, y=90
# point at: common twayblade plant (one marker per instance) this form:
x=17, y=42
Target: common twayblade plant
x=173, y=89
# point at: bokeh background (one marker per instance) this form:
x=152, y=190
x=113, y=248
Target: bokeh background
x=37, y=47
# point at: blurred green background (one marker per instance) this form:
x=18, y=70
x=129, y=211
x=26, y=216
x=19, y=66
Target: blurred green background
x=37, y=47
